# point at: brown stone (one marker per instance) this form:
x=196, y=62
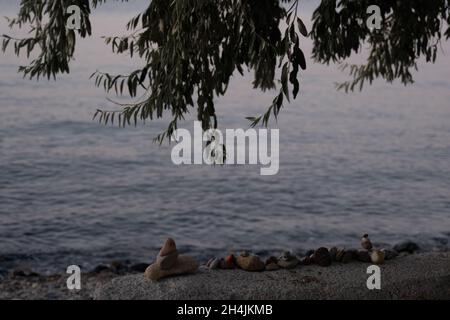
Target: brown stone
x=363, y=255
x=168, y=261
x=333, y=252
x=272, y=266
x=347, y=256
x=287, y=260
x=354, y=253
x=227, y=263
x=230, y=260
x=250, y=263
x=377, y=256
x=365, y=242
x=271, y=260
x=208, y=263
x=389, y=254
x=339, y=254
x=306, y=261
x=183, y=265
x=288, y=264
x=245, y=253
x=322, y=257
x=168, y=247
x=213, y=263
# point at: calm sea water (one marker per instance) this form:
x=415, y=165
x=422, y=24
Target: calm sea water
x=75, y=192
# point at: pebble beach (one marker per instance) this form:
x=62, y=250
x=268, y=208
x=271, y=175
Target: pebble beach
x=125, y=280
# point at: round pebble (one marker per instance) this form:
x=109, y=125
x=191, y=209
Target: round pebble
x=347, y=256
x=322, y=257
x=363, y=255
x=214, y=264
x=365, y=242
x=377, y=256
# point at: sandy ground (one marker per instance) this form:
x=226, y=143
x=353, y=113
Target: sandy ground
x=417, y=276
x=51, y=287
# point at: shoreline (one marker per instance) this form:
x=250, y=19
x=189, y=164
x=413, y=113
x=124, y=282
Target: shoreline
x=46, y=264
x=53, y=287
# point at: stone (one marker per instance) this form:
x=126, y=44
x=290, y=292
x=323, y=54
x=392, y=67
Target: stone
x=271, y=259
x=407, y=246
x=245, y=253
x=365, y=242
x=227, y=263
x=272, y=267
x=139, y=267
x=183, y=265
x=166, y=262
x=347, y=256
x=119, y=266
x=285, y=255
x=305, y=261
x=339, y=254
x=230, y=261
x=101, y=268
x=363, y=255
x=272, y=264
x=213, y=263
x=389, y=254
x=354, y=253
x=24, y=273
x=288, y=264
x=333, y=252
x=287, y=260
x=250, y=263
x=208, y=263
x=168, y=247
x=322, y=257
x=377, y=256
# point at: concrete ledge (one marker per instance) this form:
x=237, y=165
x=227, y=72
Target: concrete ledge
x=419, y=276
